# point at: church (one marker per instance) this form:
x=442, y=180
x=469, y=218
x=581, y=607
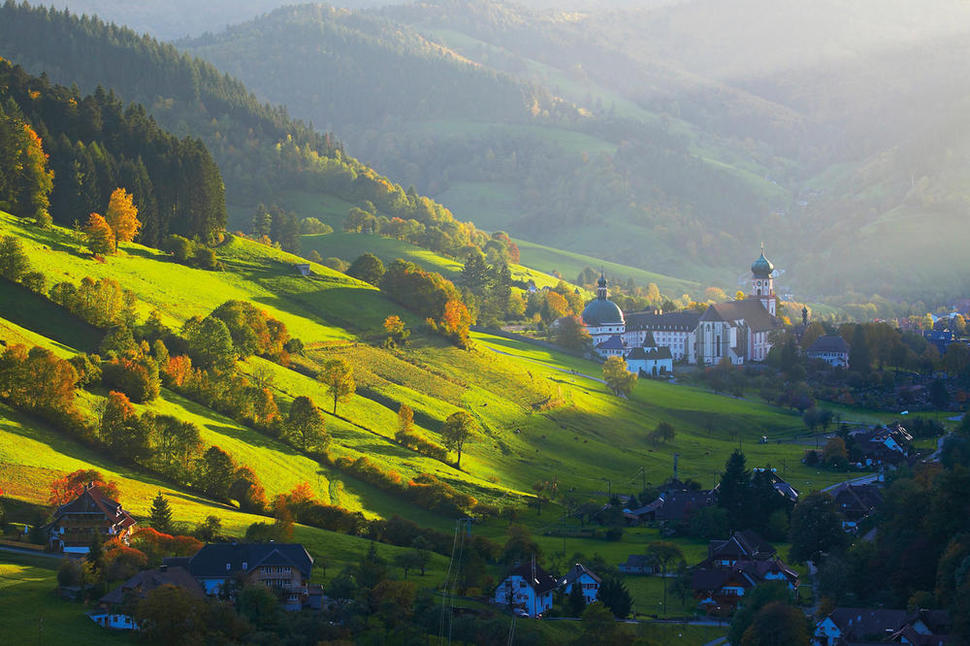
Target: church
x=650, y=341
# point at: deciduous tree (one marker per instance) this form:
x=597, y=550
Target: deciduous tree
x=122, y=216
x=620, y=380
x=338, y=376
x=100, y=237
x=459, y=428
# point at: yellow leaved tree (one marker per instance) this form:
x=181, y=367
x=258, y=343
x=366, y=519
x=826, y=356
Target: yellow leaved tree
x=122, y=216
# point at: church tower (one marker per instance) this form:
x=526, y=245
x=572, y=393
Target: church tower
x=762, y=284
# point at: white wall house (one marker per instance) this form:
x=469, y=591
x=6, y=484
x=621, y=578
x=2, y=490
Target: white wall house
x=528, y=588
x=585, y=578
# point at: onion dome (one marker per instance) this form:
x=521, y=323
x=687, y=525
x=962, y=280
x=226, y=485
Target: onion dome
x=601, y=310
x=762, y=267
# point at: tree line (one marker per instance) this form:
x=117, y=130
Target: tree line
x=79, y=149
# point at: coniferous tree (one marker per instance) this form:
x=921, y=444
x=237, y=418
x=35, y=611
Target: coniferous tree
x=161, y=514
x=734, y=490
x=100, y=237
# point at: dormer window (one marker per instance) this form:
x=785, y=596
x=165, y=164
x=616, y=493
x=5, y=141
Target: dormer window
x=245, y=566
x=228, y=566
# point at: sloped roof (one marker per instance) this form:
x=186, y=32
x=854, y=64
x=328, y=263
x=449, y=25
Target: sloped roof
x=829, y=343
x=760, y=568
x=94, y=500
x=712, y=579
x=612, y=343
x=750, y=310
x=746, y=543
x=212, y=559
x=541, y=582
x=859, y=498
x=654, y=354
x=577, y=571
x=862, y=623
x=666, y=322
x=144, y=582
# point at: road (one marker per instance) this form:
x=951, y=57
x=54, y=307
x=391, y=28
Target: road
x=17, y=550
x=861, y=480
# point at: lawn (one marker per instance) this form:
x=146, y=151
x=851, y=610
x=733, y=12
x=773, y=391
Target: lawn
x=34, y=614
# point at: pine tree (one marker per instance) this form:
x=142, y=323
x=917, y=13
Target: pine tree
x=733, y=492
x=161, y=514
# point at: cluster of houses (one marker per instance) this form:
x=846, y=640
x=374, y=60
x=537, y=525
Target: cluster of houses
x=651, y=341
x=528, y=589
x=218, y=569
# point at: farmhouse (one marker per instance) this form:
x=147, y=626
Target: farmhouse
x=737, y=330
x=882, y=445
x=283, y=567
x=830, y=348
x=585, y=578
x=674, y=505
x=114, y=608
x=527, y=588
x=733, y=567
x=858, y=625
x=636, y=564
x=855, y=502
x=91, y=514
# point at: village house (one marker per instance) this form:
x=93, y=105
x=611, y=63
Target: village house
x=528, y=589
x=830, y=348
x=92, y=514
x=673, y=506
x=636, y=564
x=114, y=608
x=739, y=330
x=846, y=626
x=855, y=502
x=650, y=360
x=882, y=446
x=585, y=578
x=282, y=567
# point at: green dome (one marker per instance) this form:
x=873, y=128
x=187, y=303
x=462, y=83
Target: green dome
x=602, y=311
x=762, y=267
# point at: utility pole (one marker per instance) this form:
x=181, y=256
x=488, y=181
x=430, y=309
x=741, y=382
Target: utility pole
x=610, y=485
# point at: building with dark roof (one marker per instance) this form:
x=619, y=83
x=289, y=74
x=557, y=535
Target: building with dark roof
x=114, y=608
x=650, y=362
x=75, y=524
x=672, y=330
x=582, y=576
x=284, y=567
x=527, y=588
x=830, y=348
x=855, y=502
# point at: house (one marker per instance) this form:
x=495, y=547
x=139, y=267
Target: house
x=746, y=545
x=636, y=564
x=735, y=565
x=830, y=348
x=674, y=505
x=585, y=578
x=114, y=608
x=857, y=625
x=303, y=269
x=284, y=567
x=855, y=502
x=527, y=588
x=882, y=445
x=782, y=487
x=612, y=346
x=91, y=514
x=650, y=360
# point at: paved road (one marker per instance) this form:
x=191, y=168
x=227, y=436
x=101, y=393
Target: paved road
x=720, y=641
x=866, y=479
x=17, y=550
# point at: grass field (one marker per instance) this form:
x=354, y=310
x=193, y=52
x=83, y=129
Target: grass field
x=542, y=415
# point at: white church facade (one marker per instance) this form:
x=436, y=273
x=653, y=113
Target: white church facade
x=738, y=330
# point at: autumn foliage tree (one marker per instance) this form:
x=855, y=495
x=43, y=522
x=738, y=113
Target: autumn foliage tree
x=458, y=430
x=100, y=236
x=122, y=216
x=65, y=489
x=338, y=376
x=617, y=377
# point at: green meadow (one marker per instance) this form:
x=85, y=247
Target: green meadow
x=542, y=415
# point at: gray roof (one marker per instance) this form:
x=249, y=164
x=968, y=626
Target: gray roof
x=829, y=343
x=612, y=343
x=751, y=310
x=211, y=560
x=144, y=582
x=863, y=623
x=666, y=322
x=535, y=577
x=577, y=571
x=654, y=354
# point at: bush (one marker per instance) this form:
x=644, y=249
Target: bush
x=35, y=281
x=137, y=377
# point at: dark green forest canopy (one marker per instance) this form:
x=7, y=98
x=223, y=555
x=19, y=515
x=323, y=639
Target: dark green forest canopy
x=95, y=144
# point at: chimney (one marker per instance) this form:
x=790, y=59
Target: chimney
x=676, y=458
